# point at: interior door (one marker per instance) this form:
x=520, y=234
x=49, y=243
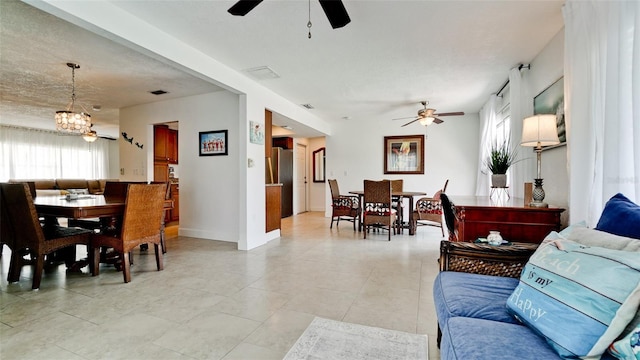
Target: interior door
x=301, y=178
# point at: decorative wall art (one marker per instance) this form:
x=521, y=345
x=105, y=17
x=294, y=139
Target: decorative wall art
x=256, y=133
x=551, y=101
x=130, y=140
x=213, y=143
x=404, y=154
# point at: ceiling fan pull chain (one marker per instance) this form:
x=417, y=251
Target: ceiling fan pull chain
x=309, y=23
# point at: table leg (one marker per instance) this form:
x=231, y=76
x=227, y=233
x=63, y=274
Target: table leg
x=412, y=230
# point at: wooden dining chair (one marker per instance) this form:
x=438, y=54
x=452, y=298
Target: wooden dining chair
x=29, y=236
x=140, y=224
x=428, y=211
x=378, y=212
x=343, y=207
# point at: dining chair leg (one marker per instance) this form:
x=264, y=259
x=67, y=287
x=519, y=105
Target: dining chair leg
x=37, y=272
x=15, y=265
x=159, y=257
x=126, y=267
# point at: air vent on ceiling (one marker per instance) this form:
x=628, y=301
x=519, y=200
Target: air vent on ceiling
x=308, y=106
x=158, y=92
x=262, y=73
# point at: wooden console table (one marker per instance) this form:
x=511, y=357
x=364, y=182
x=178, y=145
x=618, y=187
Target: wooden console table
x=476, y=216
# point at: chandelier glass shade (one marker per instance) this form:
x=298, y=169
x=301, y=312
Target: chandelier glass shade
x=68, y=120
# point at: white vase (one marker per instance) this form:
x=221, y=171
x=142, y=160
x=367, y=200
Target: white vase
x=494, y=238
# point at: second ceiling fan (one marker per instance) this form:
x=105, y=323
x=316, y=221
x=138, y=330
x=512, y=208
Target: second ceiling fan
x=334, y=9
x=428, y=116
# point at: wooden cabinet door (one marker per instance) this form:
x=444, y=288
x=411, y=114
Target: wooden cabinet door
x=160, y=143
x=172, y=146
x=175, y=195
x=160, y=172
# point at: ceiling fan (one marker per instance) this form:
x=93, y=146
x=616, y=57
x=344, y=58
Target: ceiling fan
x=428, y=116
x=334, y=9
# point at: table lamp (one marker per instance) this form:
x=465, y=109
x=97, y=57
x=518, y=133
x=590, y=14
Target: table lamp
x=539, y=131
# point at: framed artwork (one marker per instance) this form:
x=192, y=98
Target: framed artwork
x=404, y=154
x=213, y=143
x=256, y=133
x=551, y=101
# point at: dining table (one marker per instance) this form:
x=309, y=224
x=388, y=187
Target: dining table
x=401, y=195
x=88, y=206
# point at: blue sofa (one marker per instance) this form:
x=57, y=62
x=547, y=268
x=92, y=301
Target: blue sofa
x=472, y=291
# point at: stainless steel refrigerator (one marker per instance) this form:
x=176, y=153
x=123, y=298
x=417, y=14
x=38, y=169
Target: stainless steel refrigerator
x=282, y=164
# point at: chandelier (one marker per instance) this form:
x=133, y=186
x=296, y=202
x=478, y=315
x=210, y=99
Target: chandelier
x=69, y=121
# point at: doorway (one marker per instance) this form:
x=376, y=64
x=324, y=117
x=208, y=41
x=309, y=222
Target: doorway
x=301, y=178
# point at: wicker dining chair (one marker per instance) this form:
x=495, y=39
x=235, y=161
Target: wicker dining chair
x=378, y=212
x=141, y=224
x=20, y=218
x=343, y=207
x=428, y=210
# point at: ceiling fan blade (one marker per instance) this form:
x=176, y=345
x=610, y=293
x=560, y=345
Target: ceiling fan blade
x=242, y=7
x=405, y=118
x=410, y=122
x=437, y=121
x=459, y=113
x=336, y=13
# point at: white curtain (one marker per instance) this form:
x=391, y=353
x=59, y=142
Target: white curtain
x=602, y=92
x=521, y=107
x=488, y=120
x=39, y=154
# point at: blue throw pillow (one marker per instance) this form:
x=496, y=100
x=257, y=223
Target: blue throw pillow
x=620, y=216
x=579, y=298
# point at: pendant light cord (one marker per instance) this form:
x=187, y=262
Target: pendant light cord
x=309, y=23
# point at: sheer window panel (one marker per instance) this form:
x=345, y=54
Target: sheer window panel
x=41, y=154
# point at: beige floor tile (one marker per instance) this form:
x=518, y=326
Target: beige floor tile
x=209, y=336
x=246, y=351
x=212, y=301
x=254, y=304
x=281, y=330
x=387, y=319
x=322, y=302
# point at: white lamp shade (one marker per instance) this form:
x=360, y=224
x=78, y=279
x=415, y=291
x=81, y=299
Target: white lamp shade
x=540, y=130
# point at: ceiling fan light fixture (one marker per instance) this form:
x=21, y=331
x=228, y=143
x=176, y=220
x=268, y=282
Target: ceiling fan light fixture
x=90, y=136
x=426, y=121
x=69, y=121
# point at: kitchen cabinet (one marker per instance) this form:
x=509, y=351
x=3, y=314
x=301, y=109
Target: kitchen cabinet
x=165, y=144
x=160, y=171
x=175, y=196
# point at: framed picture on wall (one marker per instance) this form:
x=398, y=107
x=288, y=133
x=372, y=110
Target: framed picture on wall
x=404, y=154
x=213, y=143
x=551, y=101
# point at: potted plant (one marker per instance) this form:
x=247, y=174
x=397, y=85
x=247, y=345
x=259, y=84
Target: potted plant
x=501, y=157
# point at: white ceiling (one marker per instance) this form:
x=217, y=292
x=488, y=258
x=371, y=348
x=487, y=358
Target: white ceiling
x=391, y=56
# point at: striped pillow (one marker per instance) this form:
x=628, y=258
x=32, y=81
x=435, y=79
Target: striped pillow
x=579, y=298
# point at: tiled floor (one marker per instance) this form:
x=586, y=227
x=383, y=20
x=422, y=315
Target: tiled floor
x=214, y=302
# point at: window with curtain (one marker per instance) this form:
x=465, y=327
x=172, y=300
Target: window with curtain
x=40, y=154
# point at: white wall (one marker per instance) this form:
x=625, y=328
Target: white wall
x=114, y=160
x=209, y=185
x=546, y=68
x=317, y=191
x=355, y=153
